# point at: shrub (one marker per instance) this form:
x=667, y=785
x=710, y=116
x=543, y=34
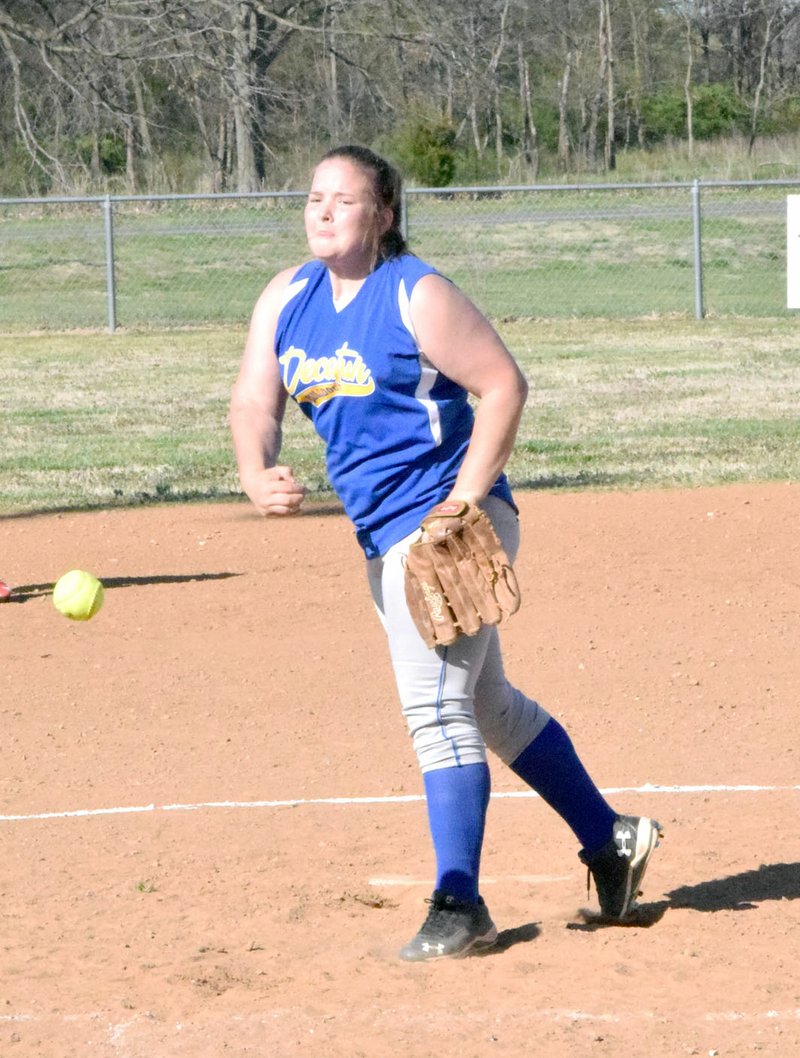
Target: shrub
x=716, y=111
x=425, y=150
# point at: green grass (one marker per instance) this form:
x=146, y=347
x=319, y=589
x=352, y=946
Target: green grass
x=93, y=420
x=557, y=253
x=659, y=403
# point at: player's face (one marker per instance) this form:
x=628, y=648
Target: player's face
x=342, y=223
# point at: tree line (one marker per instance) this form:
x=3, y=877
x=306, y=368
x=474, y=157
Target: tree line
x=241, y=95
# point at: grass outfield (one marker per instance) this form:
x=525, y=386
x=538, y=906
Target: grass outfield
x=554, y=252
x=94, y=420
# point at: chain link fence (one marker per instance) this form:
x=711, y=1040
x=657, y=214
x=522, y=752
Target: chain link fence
x=611, y=250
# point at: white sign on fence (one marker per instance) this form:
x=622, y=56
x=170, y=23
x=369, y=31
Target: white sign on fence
x=793, y=251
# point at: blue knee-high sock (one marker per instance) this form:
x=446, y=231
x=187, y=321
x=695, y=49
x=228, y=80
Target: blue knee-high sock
x=457, y=802
x=551, y=767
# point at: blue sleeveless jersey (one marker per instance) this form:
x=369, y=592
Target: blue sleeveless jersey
x=395, y=429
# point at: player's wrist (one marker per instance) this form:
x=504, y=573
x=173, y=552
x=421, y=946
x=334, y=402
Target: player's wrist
x=465, y=496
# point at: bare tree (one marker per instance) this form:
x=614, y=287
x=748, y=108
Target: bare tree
x=687, y=10
x=778, y=16
x=607, y=45
x=51, y=40
x=146, y=94
x=601, y=85
x=530, y=147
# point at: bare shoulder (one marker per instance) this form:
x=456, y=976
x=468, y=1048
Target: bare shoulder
x=433, y=289
x=264, y=321
x=439, y=309
x=277, y=287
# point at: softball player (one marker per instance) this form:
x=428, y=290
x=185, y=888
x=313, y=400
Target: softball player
x=381, y=353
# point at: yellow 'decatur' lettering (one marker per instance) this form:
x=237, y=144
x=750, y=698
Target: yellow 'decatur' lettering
x=316, y=380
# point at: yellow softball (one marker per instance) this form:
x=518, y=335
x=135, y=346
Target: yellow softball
x=78, y=595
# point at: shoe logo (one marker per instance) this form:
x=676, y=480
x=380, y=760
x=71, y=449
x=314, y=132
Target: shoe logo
x=622, y=837
x=438, y=948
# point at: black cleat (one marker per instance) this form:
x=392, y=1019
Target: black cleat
x=452, y=929
x=618, y=868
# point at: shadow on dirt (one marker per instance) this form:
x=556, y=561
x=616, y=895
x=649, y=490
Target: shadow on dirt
x=740, y=892
x=737, y=892
x=34, y=591
x=508, y=938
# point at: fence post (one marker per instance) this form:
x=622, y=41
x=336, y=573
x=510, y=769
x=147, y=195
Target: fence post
x=111, y=286
x=699, y=307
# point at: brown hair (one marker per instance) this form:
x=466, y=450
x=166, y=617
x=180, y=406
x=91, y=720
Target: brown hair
x=388, y=187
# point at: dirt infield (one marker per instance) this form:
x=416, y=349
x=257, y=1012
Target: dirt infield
x=212, y=831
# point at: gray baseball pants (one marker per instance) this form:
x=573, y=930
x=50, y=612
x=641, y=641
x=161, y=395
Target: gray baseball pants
x=456, y=700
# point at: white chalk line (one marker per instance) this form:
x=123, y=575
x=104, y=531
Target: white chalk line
x=117, y=1031
x=298, y=802
x=525, y=879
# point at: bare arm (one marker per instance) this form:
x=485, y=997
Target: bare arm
x=258, y=403
x=462, y=344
